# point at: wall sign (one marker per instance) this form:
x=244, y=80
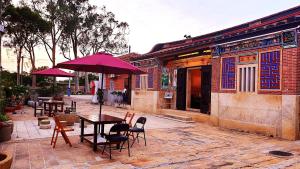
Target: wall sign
x=289, y=39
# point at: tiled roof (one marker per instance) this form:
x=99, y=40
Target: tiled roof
x=266, y=23
x=129, y=56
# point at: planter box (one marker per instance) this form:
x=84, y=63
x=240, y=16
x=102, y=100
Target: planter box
x=9, y=109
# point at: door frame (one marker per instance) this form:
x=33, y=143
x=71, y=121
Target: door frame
x=188, y=88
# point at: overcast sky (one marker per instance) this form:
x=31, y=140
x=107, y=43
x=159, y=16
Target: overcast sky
x=157, y=21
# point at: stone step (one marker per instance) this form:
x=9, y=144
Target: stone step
x=179, y=117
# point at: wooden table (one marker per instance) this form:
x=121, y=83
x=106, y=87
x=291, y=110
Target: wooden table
x=55, y=104
x=94, y=119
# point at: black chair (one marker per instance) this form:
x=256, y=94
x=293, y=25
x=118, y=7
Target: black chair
x=118, y=134
x=72, y=108
x=38, y=108
x=138, y=128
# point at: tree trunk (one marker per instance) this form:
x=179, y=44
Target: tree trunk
x=76, y=81
x=86, y=84
x=18, y=65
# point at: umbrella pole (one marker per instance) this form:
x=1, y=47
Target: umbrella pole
x=102, y=97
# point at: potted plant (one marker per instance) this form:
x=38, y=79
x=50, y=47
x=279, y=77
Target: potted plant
x=5, y=160
x=6, y=127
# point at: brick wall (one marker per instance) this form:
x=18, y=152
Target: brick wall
x=215, y=83
x=289, y=71
x=156, y=78
x=118, y=82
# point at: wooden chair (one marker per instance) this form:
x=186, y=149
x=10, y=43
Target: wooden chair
x=59, y=128
x=128, y=118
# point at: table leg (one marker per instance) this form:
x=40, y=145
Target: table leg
x=102, y=130
x=82, y=129
x=50, y=110
x=95, y=137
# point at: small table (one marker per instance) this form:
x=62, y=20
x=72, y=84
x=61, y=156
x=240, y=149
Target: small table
x=94, y=119
x=53, y=103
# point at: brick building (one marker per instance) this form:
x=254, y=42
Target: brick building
x=120, y=82
x=245, y=77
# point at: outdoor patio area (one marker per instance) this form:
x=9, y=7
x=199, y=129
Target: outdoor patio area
x=170, y=144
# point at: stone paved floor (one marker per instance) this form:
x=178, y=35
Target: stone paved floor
x=178, y=146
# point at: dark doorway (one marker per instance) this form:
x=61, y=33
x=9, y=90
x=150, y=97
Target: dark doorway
x=127, y=86
x=205, y=89
x=181, y=89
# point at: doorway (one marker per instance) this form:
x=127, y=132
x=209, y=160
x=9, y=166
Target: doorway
x=193, y=89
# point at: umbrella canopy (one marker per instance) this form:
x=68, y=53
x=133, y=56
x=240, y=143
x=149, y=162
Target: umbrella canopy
x=100, y=63
x=55, y=72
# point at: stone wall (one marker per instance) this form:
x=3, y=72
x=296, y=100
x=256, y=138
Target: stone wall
x=144, y=101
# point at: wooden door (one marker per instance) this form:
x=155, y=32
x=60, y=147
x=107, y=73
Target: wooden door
x=205, y=89
x=181, y=89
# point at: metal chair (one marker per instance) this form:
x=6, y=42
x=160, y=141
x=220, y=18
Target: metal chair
x=118, y=134
x=138, y=128
x=38, y=108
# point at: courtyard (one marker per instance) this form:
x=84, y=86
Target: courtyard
x=170, y=144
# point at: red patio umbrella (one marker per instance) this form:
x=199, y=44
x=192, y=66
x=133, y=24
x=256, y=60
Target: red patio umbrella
x=100, y=63
x=55, y=72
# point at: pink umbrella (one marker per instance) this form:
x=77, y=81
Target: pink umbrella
x=100, y=63
x=55, y=72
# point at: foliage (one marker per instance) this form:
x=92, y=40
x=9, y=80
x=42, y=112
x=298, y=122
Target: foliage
x=105, y=33
x=2, y=105
x=49, y=91
x=53, y=12
x=3, y=117
x=90, y=77
x=22, y=24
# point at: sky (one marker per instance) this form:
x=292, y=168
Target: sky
x=157, y=21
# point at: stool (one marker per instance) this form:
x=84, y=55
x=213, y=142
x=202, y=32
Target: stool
x=42, y=118
x=45, y=124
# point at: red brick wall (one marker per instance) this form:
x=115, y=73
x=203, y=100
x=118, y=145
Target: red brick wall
x=216, y=68
x=289, y=70
x=118, y=82
x=156, y=78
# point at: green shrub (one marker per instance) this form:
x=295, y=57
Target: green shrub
x=3, y=117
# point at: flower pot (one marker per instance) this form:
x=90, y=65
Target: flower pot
x=5, y=160
x=6, y=129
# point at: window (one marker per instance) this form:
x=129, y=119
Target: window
x=270, y=70
x=247, y=78
x=228, y=73
x=150, y=78
x=137, y=81
x=144, y=82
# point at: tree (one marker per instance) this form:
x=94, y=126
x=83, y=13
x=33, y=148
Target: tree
x=52, y=11
x=3, y=5
x=105, y=34
x=90, y=31
x=22, y=26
